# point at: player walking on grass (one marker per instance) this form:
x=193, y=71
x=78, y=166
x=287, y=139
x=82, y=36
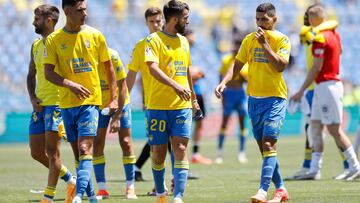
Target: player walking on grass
x=234, y=98
x=267, y=53
x=45, y=132
x=77, y=49
x=328, y=93
x=154, y=22
x=167, y=54
x=120, y=123
x=306, y=36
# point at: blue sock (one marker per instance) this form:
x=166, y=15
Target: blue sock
x=307, y=158
x=221, y=139
x=269, y=163
x=159, y=177
x=181, y=171
x=277, y=179
x=99, y=168
x=84, y=176
x=242, y=142
x=65, y=174
x=129, y=167
x=90, y=190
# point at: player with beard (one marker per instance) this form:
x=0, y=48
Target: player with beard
x=46, y=121
x=167, y=54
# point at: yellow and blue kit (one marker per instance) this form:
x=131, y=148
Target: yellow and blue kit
x=170, y=116
x=50, y=118
x=78, y=55
x=120, y=73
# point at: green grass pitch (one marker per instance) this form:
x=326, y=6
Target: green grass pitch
x=228, y=182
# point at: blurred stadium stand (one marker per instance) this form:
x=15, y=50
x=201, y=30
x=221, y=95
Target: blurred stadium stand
x=213, y=21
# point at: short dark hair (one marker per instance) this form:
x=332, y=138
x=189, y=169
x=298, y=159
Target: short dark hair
x=267, y=8
x=152, y=11
x=69, y=2
x=174, y=8
x=47, y=11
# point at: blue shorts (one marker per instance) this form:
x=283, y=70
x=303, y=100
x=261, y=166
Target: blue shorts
x=80, y=121
x=266, y=116
x=47, y=120
x=125, y=119
x=165, y=123
x=234, y=99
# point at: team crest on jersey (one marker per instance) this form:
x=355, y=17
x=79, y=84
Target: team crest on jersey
x=63, y=46
x=87, y=44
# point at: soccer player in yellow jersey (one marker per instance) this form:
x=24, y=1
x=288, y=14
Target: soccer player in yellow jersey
x=168, y=58
x=234, y=98
x=77, y=49
x=122, y=118
x=46, y=117
x=267, y=53
x=154, y=22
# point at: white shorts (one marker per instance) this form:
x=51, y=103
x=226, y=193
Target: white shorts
x=327, y=102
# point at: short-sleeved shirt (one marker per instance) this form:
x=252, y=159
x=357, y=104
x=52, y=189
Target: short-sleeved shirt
x=78, y=55
x=172, y=53
x=120, y=74
x=137, y=64
x=46, y=91
x=329, y=50
x=263, y=78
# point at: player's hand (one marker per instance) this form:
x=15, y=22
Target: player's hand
x=195, y=105
x=219, y=90
x=114, y=124
x=113, y=106
x=260, y=35
x=35, y=102
x=80, y=91
x=196, y=111
x=297, y=97
x=183, y=93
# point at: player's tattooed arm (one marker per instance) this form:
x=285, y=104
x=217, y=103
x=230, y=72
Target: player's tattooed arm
x=115, y=121
x=31, y=84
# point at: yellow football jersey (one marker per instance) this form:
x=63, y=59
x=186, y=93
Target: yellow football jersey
x=263, y=79
x=120, y=74
x=78, y=56
x=172, y=53
x=46, y=91
x=227, y=62
x=137, y=64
